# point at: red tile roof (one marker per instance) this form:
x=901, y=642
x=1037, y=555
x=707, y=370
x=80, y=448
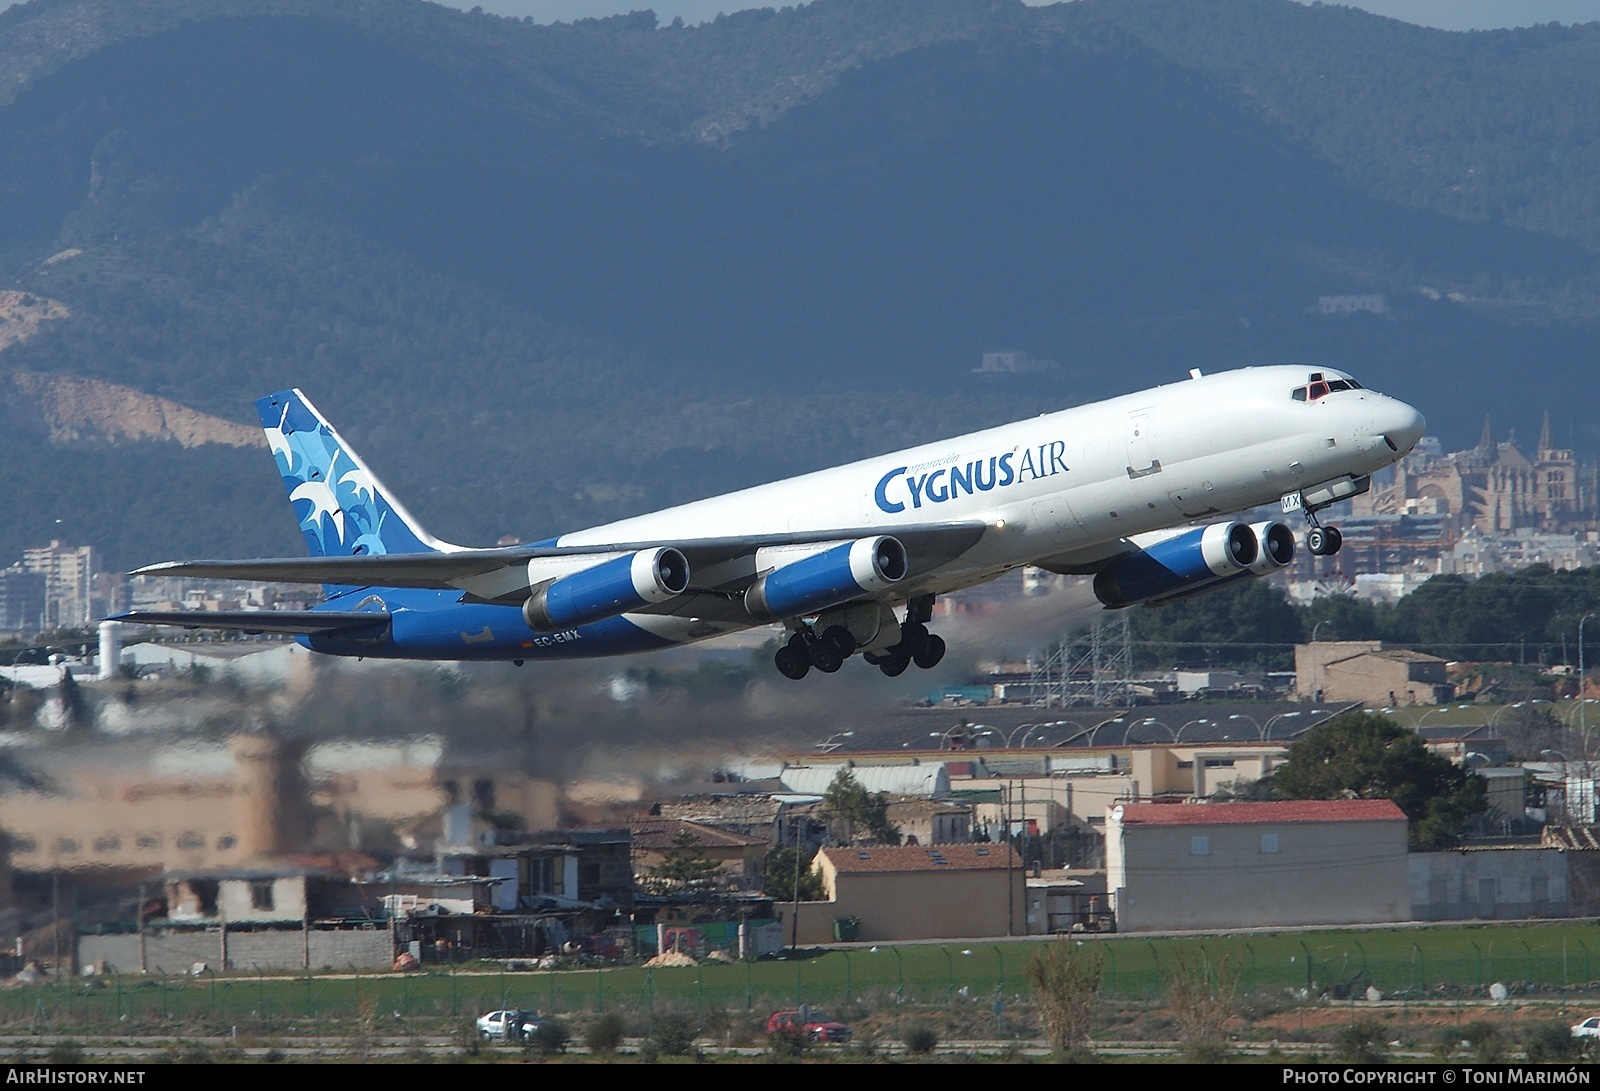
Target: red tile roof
x=883, y=859
x=1277, y=812
x=659, y=834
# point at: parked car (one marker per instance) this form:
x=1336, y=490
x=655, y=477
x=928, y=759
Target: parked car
x=511, y=1025
x=815, y=1026
x=1589, y=1028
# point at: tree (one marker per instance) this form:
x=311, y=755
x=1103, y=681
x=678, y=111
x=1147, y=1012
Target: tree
x=1252, y=623
x=848, y=805
x=1244, y=791
x=1341, y=617
x=778, y=876
x=1365, y=756
x=685, y=868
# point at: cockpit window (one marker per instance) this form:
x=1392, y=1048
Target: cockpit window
x=1318, y=386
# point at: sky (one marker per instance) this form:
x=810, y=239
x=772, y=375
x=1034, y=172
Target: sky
x=1444, y=14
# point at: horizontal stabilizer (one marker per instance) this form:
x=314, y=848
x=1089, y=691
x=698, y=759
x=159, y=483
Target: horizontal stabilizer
x=348, y=622
x=429, y=570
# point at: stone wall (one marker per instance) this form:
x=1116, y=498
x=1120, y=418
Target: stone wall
x=172, y=951
x=1489, y=884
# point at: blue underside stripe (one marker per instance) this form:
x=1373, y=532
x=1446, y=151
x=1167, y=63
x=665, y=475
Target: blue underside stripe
x=447, y=629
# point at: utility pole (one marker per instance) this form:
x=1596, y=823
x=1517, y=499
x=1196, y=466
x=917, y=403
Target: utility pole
x=1011, y=894
x=794, y=923
x=1583, y=718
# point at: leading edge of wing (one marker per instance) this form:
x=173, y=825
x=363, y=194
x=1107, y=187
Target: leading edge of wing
x=928, y=544
x=261, y=621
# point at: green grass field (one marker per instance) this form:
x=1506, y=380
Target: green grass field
x=1556, y=960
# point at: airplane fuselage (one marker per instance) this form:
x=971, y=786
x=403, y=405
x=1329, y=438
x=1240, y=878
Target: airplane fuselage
x=1066, y=489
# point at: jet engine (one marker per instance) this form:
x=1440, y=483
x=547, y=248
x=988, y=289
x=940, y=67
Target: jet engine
x=832, y=573
x=1180, y=563
x=607, y=589
x=1274, y=547
x=1274, y=550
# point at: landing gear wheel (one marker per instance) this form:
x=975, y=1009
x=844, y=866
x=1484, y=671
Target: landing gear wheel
x=1317, y=542
x=825, y=657
x=842, y=639
x=792, y=662
x=894, y=666
x=875, y=658
x=1333, y=541
x=912, y=634
x=929, y=652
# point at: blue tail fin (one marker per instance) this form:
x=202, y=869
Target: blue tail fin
x=342, y=508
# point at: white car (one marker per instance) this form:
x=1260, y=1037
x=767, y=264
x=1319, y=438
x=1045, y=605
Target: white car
x=1589, y=1028
x=512, y=1024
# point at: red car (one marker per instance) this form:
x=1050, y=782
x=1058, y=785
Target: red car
x=815, y=1026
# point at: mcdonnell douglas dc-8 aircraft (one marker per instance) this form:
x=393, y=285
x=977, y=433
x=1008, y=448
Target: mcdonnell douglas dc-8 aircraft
x=849, y=560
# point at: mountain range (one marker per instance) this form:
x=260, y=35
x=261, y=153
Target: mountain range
x=544, y=276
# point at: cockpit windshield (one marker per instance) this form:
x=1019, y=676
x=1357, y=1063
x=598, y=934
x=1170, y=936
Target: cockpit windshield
x=1319, y=386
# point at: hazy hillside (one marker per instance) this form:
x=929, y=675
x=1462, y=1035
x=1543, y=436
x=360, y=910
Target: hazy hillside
x=1488, y=126
x=545, y=276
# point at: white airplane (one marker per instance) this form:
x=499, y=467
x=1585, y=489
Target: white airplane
x=848, y=560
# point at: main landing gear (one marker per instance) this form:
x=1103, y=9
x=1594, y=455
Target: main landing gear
x=828, y=650
x=916, y=645
x=806, y=649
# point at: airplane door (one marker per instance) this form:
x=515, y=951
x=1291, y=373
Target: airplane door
x=1141, y=461
x=1195, y=501
x=1054, y=518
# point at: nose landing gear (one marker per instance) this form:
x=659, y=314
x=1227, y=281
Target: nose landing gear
x=1323, y=541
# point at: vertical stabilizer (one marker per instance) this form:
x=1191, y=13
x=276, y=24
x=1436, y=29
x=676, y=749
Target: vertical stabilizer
x=342, y=508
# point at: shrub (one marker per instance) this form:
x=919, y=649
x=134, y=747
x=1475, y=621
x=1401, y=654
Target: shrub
x=1360, y=1042
x=921, y=1039
x=65, y=1053
x=787, y=1042
x=1488, y=1045
x=550, y=1037
x=604, y=1033
x=1551, y=1042
x=1065, y=980
x=1201, y=994
x=675, y=1033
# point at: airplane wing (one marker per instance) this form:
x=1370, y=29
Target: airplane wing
x=1089, y=560
x=500, y=575
x=348, y=623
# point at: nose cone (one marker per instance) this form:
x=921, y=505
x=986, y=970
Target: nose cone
x=1399, y=424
